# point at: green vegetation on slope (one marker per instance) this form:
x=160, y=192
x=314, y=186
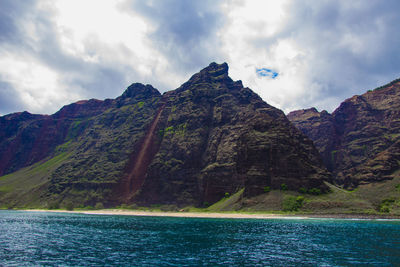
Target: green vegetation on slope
x=23, y=188
x=381, y=198
x=225, y=203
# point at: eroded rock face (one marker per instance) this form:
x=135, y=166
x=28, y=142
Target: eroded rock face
x=18, y=135
x=217, y=137
x=27, y=138
x=320, y=127
x=209, y=137
x=359, y=140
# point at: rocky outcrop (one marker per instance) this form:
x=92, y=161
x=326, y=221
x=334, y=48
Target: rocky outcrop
x=359, y=140
x=190, y=146
x=319, y=127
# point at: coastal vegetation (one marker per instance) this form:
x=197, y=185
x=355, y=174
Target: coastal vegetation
x=385, y=201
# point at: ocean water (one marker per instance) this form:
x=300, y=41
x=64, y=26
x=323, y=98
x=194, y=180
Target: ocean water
x=30, y=238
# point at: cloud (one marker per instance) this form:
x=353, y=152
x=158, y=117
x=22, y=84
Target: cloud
x=349, y=47
x=47, y=64
x=66, y=50
x=53, y=52
x=8, y=98
x=9, y=12
x=324, y=51
x=185, y=32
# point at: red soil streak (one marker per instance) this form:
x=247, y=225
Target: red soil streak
x=143, y=158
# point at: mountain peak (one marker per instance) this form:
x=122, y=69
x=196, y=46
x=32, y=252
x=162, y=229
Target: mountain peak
x=216, y=71
x=303, y=114
x=215, y=68
x=140, y=90
x=190, y=146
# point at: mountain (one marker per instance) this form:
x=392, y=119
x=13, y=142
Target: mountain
x=209, y=138
x=360, y=141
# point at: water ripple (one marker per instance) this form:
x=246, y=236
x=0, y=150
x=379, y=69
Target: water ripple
x=29, y=238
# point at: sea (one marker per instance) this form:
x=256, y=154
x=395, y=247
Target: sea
x=64, y=239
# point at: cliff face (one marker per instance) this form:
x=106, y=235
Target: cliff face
x=209, y=137
x=26, y=138
x=216, y=137
x=359, y=140
x=319, y=127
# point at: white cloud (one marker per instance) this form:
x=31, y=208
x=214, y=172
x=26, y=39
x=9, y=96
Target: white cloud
x=101, y=32
x=79, y=21
x=37, y=86
x=250, y=43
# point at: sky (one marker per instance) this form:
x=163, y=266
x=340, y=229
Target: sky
x=294, y=54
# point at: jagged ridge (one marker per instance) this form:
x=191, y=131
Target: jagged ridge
x=359, y=141
x=190, y=146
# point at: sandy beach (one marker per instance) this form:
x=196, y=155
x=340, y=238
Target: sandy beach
x=175, y=214
x=220, y=215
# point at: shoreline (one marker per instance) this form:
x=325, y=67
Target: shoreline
x=221, y=215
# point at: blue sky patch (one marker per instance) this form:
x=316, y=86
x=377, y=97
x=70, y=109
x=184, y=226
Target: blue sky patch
x=264, y=72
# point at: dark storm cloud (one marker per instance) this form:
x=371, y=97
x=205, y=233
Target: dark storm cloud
x=10, y=34
x=355, y=44
x=9, y=100
x=185, y=30
x=10, y=11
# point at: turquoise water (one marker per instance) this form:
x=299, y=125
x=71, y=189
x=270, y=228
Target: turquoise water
x=29, y=238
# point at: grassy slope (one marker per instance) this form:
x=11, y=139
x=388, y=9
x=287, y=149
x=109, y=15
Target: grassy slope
x=366, y=199
x=226, y=203
x=27, y=184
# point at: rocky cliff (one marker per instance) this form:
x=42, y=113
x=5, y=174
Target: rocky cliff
x=216, y=137
x=359, y=141
x=26, y=138
x=190, y=146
